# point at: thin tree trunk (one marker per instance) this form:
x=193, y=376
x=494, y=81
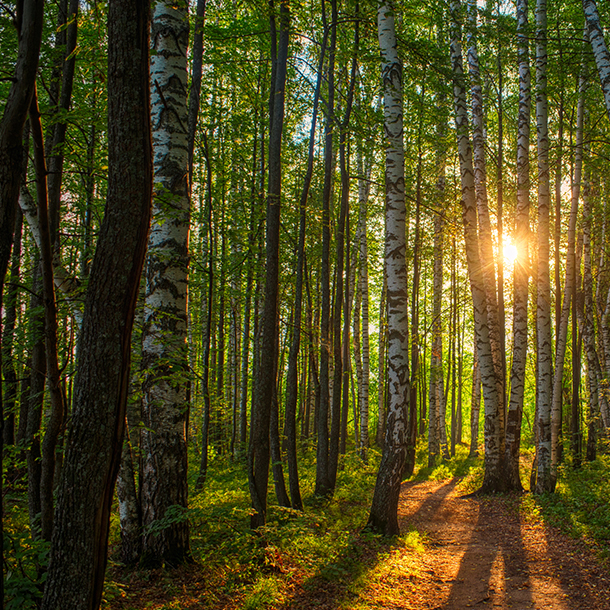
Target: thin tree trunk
x=292, y=374
x=57, y=407
x=8, y=334
x=521, y=263
x=207, y=338
x=544, y=385
x=258, y=467
x=384, y=509
x=323, y=485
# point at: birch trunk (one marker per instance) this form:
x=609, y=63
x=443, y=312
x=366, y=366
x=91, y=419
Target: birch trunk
x=363, y=261
x=544, y=385
x=494, y=479
x=436, y=353
x=384, y=510
x=521, y=263
x=475, y=409
x=164, y=346
x=597, y=403
x=484, y=221
x=382, y=366
x=599, y=47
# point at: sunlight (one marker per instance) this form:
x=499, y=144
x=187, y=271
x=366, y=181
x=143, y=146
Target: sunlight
x=510, y=253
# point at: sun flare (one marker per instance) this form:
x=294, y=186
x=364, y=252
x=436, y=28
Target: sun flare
x=510, y=253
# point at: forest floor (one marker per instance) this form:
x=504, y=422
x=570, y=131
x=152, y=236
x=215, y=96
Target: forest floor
x=457, y=551
x=479, y=553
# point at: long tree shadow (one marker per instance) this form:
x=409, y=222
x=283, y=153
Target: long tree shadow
x=513, y=562
x=494, y=568
x=342, y=580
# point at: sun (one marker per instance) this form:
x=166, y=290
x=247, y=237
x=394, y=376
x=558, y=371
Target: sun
x=510, y=253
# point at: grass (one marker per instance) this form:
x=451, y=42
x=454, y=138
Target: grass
x=321, y=552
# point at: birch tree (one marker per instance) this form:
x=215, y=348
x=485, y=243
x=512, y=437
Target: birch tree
x=384, y=510
x=544, y=378
x=521, y=263
x=494, y=479
x=164, y=350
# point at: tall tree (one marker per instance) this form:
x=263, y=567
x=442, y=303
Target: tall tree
x=384, y=509
x=521, y=263
x=258, y=452
x=544, y=381
x=164, y=346
x=494, y=479
x=80, y=537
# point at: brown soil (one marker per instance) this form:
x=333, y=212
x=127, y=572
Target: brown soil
x=480, y=552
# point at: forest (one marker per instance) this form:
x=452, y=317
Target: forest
x=295, y=293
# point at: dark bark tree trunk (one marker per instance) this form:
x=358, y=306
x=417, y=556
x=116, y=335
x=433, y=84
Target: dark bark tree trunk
x=29, y=27
x=93, y=449
x=323, y=485
x=258, y=452
x=292, y=374
x=8, y=333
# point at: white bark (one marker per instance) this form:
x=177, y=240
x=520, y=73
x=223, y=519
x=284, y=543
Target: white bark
x=164, y=348
x=64, y=282
x=522, y=263
x=600, y=49
x=494, y=430
x=544, y=387
x=363, y=288
x=383, y=516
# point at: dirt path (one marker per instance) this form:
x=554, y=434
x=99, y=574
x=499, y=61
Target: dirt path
x=481, y=553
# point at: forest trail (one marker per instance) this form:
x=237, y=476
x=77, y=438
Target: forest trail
x=479, y=553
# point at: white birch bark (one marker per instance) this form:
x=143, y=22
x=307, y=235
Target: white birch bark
x=598, y=402
x=494, y=432
x=64, y=282
x=599, y=47
x=480, y=184
x=521, y=264
x=384, y=510
x=544, y=385
x=570, y=285
x=164, y=347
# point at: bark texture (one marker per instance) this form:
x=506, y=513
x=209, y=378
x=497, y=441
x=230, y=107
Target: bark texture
x=383, y=516
x=164, y=347
x=93, y=449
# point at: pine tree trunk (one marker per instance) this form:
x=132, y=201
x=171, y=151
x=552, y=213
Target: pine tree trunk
x=383, y=517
